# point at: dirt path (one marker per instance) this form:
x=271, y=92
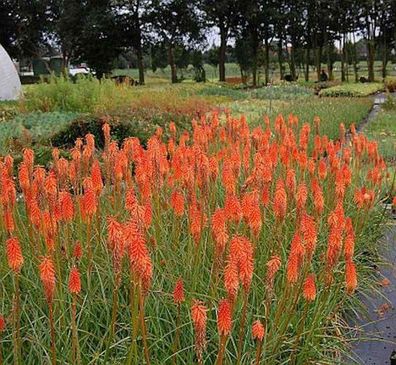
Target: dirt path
x=378, y=328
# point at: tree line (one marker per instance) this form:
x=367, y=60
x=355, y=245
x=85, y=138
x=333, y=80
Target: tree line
x=300, y=33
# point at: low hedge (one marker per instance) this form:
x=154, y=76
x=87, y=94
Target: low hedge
x=353, y=90
x=122, y=125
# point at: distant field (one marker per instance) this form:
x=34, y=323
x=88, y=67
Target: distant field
x=232, y=70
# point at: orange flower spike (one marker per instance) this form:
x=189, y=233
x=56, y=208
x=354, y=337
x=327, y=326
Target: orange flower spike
x=23, y=177
x=246, y=264
x=106, y=132
x=308, y=229
x=349, y=240
x=47, y=276
x=66, y=206
x=301, y=196
x=177, y=203
x=2, y=323
x=14, y=254
x=9, y=221
x=96, y=176
x=28, y=159
x=309, y=289
x=199, y=318
x=224, y=318
x=88, y=204
x=74, y=281
x=231, y=280
x=322, y=170
x=292, y=268
x=258, y=330
x=77, y=251
x=273, y=266
x=291, y=181
x=147, y=215
x=178, y=292
x=172, y=128
x=350, y=277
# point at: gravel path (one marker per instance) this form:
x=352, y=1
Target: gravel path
x=378, y=337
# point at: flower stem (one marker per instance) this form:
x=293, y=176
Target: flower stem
x=113, y=318
x=177, y=335
x=258, y=352
x=242, y=328
x=52, y=329
x=75, y=347
x=220, y=355
x=143, y=325
x=16, y=319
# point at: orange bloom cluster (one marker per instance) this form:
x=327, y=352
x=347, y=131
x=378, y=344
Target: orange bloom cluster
x=278, y=207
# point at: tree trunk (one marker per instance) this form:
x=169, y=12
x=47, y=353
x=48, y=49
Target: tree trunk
x=254, y=66
x=343, y=60
x=384, y=59
x=292, y=63
x=318, y=62
x=172, y=64
x=280, y=58
x=370, y=59
x=307, y=53
x=222, y=53
x=329, y=61
x=355, y=61
x=266, y=60
x=139, y=52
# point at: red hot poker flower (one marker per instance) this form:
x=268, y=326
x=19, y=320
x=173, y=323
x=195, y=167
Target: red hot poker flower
x=258, y=330
x=224, y=320
x=74, y=281
x=350, y=277
x=199, y=318
x=178, y=292
x=47, y=276
x=14, y=254
x=309, y=290
x=2, y=323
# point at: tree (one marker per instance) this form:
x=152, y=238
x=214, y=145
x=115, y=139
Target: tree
x=99, y=42
x=68, y=26
x=24, y=29
x=8, y=27
x=225, y=15
x=134, y=18
x=175, y=23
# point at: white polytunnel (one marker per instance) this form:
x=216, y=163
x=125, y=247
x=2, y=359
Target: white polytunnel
x=10, y=85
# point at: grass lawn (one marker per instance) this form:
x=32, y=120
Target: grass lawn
x=232, y=70
x=383, y=130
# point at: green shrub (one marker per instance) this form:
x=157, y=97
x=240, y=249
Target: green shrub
x=8, y=110
x=223, y=90
x=123, y=125
x=281, y=92
x=87, y=94
x=27, y=129
x=390, y=84
x=353, y=90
